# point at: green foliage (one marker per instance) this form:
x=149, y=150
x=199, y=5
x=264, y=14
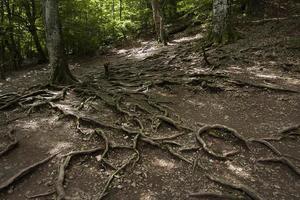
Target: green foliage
x=87, y=25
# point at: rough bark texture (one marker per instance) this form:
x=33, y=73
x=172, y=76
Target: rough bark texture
x=158, y=18
x=61, y=73
x=222, y=30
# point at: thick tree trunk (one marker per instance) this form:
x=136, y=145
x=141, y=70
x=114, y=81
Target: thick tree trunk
x=222, y=30
x=158, y=18
x=60, y=71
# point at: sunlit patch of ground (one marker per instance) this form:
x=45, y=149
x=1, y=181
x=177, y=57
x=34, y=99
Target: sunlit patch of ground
x=148, y=196
x=237, y=170
x=168, y=165
x=60, y=146
x=189, y=38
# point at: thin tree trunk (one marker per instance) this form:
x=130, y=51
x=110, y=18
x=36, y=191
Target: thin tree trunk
x=16, y=58
x=31, y=16
x=60, y=71
x=120, y=9
x=158, y=18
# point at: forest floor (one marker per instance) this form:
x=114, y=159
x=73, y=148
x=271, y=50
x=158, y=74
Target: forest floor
x=164, y=124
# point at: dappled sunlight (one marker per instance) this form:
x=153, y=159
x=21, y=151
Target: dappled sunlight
x=148, y=196
x=32, y=124
x=164, y=163
x=60, y=146
x=237, y=170
x=189, y=38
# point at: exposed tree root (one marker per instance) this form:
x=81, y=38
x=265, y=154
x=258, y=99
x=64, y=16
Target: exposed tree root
x=17, y=99
x=283, y=161
x=214, y=195
x=210, y=152
x=23, y=172
x=59, y=186
x=261, y=86
x=180, y=157
x=40, y=195
x=83, y=152
x=287, y=131
x=102, y=134
x=170, y=121
x=104, y=191
x=268, y=145
x=121, y=110
x=272, y=148
x=243, y=188
x=13, y=144
x=169, y=137
x=187, y=149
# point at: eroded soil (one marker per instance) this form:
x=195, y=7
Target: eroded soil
x=251, y=86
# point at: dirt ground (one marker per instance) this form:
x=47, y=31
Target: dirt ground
x=162, y=105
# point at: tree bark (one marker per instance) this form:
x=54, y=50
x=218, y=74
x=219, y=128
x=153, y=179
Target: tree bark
x=30, y=11
x=16, y=57
x=60, y=71
x=158, y=18
x=222, y=30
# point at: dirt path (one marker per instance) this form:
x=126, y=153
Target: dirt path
x=161, y=105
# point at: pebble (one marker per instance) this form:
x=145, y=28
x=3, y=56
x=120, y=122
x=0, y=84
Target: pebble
x=11, y=190
x=119, y=186
x=133, y=184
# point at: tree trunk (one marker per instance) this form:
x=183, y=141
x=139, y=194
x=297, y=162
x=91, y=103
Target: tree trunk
x=30, y=12
x=120, y=9
x=16, y=57
x=158, y=18
x=60, y=71
x=222, y=30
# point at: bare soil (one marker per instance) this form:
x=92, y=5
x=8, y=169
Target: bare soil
x=251, y=86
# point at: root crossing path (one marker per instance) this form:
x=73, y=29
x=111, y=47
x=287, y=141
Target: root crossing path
x=158, y=123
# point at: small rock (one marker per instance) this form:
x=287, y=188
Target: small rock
x=11, y=190
x=133, y=184
x=138, y=173
x=119, y=186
